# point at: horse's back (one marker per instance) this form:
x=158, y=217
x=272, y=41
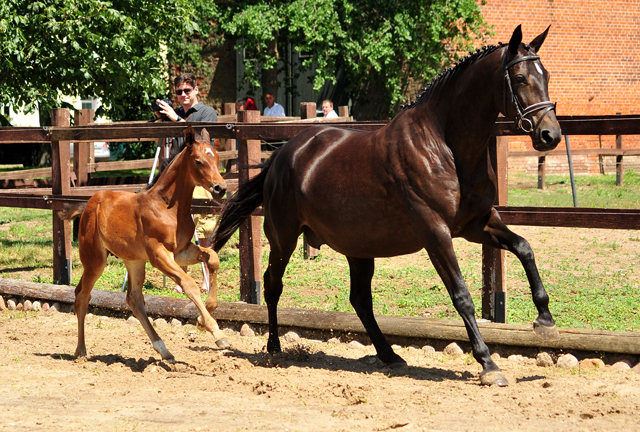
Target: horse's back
x=338, y=183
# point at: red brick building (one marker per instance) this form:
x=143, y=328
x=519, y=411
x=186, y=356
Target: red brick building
x=593, y=55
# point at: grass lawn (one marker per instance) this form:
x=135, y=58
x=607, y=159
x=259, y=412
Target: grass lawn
x=590, y=274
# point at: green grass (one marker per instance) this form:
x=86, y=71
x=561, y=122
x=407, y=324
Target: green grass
x=590, y=275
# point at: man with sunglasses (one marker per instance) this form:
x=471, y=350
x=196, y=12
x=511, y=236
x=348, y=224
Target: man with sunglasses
x=186, y=86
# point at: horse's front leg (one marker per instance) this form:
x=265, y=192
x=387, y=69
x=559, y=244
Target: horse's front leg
x=198, y=254
x=442, y=254
x=163, y=260
x=496, y=234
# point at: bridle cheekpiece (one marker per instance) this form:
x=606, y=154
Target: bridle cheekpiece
x=521, y=121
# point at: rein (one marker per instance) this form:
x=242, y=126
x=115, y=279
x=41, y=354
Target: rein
x=521, y=119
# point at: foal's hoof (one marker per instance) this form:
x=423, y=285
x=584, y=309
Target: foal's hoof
x=493, y=378
x=544, y=332
x=223, y=343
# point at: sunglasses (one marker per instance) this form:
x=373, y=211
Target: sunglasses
x=186, y=91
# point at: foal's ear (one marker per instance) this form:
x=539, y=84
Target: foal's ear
x=189, y=136
x=204, y=136
x=537, y=42
x=516, y=40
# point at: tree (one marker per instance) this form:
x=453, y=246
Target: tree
x=380, y=45
x=115, y=50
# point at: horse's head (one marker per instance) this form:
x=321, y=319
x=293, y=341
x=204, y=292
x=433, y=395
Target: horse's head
x=204, y=162
x=525, y=96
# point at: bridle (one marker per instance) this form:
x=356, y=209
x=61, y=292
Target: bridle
x=521, y=120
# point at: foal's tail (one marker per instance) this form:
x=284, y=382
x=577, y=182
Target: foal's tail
x=236, y=209
x=71, y=211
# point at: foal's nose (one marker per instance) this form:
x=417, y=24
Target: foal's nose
x=218, y=189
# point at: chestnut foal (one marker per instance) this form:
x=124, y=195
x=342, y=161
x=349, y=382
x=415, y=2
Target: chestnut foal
x=154, y=225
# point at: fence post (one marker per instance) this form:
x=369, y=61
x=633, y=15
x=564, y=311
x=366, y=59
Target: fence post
x=619, y=166
x=83, y=151
x=343, y=111
x=494, y=284
x=542, y=172
x=60, y=173
x=307, y=111
x=230, y=144
x=251, y=229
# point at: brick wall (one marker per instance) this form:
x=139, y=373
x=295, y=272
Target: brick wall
x=593, y=55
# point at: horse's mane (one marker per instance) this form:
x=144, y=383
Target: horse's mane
x=163, y=167
x=447, y=74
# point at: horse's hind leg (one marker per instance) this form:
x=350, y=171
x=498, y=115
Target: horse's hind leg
x=282, y=247
x=94, y=259
x=443, y=257
x=496, y=234
x=135, y=300
x=361, y=270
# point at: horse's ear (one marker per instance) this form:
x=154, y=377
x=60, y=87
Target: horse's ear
x=516, y=40
x=204, y=135
x=189, y=136
x=539, y=40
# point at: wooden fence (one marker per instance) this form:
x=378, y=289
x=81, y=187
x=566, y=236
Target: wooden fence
x=248, y=131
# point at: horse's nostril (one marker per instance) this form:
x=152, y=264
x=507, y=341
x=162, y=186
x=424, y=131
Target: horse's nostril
x=546, y=137
x=219, y=190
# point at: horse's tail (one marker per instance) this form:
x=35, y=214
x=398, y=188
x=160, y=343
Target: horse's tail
x=71, y=211
x=237, y=208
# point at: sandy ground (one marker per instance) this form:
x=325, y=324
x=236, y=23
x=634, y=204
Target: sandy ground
x=313, y=386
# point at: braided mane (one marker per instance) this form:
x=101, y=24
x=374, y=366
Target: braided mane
x=448, y=73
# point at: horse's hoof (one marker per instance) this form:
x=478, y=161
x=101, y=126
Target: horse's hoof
x=223, y=343
x=394, y=361
x=493, y=378
x=544, y=332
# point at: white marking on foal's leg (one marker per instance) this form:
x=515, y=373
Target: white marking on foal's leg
x=164, y=352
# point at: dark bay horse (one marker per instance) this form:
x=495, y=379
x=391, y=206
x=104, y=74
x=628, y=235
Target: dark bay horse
x=423, y=179
x=154, y=225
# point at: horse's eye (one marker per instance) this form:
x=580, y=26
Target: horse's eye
x=198, y=162
x=521, y=79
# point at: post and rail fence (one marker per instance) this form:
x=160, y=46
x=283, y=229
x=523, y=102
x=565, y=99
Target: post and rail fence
x=245, y=131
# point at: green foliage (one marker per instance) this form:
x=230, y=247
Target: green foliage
x=394, y=41
x=114, y=50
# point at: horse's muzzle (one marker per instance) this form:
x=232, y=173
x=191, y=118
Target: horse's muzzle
x=218, y=189
x=546, y=138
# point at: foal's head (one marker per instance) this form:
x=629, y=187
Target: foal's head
x=203, y=162
x=524, y=96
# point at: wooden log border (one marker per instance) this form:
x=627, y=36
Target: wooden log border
x=399, y=326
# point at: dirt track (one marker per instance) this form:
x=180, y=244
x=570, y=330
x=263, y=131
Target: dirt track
x=313, y=386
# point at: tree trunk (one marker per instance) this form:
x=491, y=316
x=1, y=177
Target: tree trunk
x=270, y=76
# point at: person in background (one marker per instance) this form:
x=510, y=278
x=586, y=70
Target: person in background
x=327, y=109
x=251, y=105
x=186, y=88
x=240, y=105
x=273, y=109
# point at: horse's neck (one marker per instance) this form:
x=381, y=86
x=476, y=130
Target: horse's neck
x=175, y=186
x=465, y=111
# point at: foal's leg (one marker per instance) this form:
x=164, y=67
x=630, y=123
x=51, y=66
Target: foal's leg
x=443, y=257
x=135, y=300
x=93, y=262
x=164, y=261
x=496, y=234
x=361, y=270
x=196, y=254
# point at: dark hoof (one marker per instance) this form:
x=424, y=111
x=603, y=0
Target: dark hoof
x=394, y=361
x=544, y=332
x=493, y=378
x=223, y=343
